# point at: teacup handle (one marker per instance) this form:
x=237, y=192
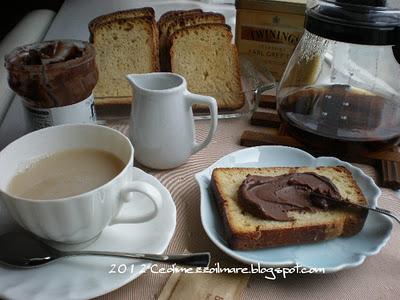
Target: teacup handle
x=212, y=104
x=146, y=189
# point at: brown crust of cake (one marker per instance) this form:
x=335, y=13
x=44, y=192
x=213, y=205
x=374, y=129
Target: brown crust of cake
x=182, y=20
x=156, y=50
x=106, y=101
x=172, y=14
x=286, y=236
x=135, y=12
x=203, y=26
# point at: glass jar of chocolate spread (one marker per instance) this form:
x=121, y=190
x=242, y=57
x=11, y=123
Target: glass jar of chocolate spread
x=55, y=80
x=340, y=91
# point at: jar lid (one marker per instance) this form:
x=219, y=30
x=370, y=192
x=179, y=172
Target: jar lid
x=369, y=22
x=52, y=73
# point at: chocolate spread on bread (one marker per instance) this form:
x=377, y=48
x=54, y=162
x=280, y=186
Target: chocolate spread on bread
x=272, y=197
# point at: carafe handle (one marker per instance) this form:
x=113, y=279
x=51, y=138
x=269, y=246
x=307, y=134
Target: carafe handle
x=212, y=104
x=396, y=48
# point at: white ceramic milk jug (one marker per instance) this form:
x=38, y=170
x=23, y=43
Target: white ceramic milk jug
x=162, y=125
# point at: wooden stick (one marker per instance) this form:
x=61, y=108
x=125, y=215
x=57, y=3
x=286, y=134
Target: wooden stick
x=267, y=101
x=266, y=119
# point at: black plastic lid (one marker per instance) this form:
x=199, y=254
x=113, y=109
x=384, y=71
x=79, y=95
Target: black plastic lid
x=369, y=22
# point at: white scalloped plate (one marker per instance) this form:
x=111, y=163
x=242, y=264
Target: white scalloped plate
x=89, y=277
x=333, y=255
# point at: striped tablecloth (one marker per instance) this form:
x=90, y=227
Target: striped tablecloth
x=377, y=278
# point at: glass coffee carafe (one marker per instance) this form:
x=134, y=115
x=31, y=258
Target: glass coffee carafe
x=341, y=89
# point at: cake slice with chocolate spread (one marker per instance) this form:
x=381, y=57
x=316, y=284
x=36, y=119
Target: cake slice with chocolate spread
x=269, y=207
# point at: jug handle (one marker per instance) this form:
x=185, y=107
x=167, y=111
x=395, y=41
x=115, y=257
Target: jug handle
x=396, y=47
x=396, y=52
x=212, y=104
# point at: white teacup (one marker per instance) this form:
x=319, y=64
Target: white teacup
x=82, y=217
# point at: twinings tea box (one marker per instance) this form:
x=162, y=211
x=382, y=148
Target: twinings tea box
x=269, y=30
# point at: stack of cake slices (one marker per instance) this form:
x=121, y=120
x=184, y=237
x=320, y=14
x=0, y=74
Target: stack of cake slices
x=195, y=44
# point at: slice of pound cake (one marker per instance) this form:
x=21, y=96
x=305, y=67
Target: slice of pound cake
x=122, y=14
x=189, y=20
x=163, y=24
x=123, y=46
x=289, y=220
x=205, y=56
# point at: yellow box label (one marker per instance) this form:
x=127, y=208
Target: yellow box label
x=269, y=36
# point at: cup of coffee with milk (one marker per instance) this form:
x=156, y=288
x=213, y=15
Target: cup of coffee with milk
x=67, y=183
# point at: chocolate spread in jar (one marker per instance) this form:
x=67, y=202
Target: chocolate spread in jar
x=52, y=73
x=272, y=197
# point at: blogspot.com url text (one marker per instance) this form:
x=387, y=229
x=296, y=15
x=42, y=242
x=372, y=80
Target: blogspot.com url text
x=268, y=272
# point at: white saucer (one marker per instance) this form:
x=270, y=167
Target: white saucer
x=88, y=277
x=333, y=255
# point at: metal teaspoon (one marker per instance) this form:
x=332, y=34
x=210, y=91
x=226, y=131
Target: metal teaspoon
x=23, y=250
x=324, y=201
